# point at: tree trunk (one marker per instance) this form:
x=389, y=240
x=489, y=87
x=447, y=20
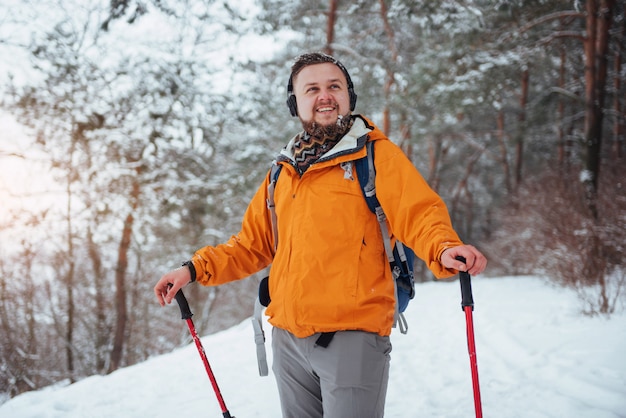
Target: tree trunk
x=434, y=156
x=599, y=13
x=101, y=339
x=120, y=281
x=390, y=78
x=405, y=136
x=69, y=277
x=69, y=331
x=504, y=158
x=521, y=129
x=462, y=191
x=330, y=26
x=560, y=112
x=619, y=126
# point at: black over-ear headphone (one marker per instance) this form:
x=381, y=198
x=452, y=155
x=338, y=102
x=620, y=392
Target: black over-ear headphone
x=291, y=97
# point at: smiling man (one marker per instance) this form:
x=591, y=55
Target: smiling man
x=332, y=291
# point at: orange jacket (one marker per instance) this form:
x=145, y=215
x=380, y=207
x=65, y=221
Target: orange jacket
x=330, y=271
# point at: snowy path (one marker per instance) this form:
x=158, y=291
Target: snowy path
x=537, y=358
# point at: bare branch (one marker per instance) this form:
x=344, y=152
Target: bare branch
x=562, y=34
x=566, y=93
x=12, y=154
x=553, y=16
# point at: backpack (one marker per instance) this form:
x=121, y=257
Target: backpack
x=401, y=258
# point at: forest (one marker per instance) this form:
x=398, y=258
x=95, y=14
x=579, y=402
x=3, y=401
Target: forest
x=156, y=120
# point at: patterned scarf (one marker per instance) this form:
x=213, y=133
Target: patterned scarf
x=317, y=140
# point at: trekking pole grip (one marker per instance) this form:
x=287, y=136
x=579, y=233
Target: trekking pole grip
x=466, y=286
x=185, y=311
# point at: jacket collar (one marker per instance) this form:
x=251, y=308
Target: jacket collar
x=351, y=142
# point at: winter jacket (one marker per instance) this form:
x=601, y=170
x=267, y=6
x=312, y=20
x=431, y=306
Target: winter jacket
x=330, y=271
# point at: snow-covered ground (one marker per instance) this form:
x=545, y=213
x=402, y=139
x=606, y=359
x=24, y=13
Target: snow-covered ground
x=537, y=357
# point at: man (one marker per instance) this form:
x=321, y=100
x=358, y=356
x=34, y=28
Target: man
x=329, y=273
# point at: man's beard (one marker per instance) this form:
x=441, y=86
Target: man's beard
x=332, y=130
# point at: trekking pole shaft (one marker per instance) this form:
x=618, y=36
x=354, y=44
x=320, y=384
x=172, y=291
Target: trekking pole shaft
x=209, y=371
x=186, y=315
x=471, y=348
x=467, y=304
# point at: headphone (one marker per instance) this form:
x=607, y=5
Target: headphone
x=291, y=97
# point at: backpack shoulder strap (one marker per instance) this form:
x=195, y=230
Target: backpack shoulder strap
x=263, y=298
x=259, y=337
x=366, y=173
x=271, y=205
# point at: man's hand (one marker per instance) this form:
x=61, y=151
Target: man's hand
x=170, y=283
x=475, y=261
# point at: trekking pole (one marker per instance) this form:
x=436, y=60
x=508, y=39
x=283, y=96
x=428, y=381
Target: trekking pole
x=186, y=315
x=467, y=304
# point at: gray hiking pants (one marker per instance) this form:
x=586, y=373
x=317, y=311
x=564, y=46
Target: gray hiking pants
x=348, y=379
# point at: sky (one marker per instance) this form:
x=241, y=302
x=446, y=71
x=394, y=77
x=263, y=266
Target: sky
x=537, y=356
x=24, y=178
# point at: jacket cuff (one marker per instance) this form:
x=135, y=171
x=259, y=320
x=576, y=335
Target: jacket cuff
x=192, y=270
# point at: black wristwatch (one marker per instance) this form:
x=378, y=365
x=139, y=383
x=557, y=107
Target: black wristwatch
x=192, y=270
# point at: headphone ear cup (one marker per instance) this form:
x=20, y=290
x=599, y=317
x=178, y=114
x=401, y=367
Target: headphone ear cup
x=292, y=105
x=352, y=99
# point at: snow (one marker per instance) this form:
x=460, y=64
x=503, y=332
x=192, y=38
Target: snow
x=537, y=357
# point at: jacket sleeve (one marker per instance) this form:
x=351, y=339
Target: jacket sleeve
x=245, y=253
x=416, y=213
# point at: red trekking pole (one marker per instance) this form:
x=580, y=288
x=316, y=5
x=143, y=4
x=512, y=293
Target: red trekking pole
x=186, y=315
x=467, y=304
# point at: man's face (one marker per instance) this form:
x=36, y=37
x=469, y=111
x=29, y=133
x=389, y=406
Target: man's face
x=321, y=93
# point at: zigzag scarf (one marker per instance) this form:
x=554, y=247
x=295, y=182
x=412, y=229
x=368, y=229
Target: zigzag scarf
x=316, y=140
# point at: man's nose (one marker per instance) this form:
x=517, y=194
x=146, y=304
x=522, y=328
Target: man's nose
x=325, y=95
